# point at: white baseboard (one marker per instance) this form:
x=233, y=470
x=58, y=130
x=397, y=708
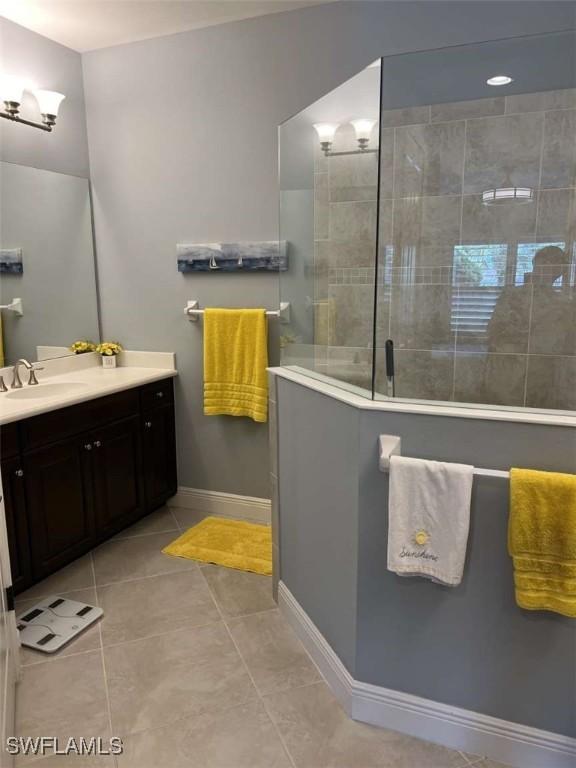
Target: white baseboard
x=332, y=669
x=251, y=508
x=507, y=742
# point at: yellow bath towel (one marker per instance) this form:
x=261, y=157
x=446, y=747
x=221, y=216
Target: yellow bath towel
x=542, y=540
x=232, y=543
x=235, y=362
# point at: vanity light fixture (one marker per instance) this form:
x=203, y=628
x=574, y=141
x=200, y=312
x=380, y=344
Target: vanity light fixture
x=362, y=127
x=500, y=80
x=11, y=90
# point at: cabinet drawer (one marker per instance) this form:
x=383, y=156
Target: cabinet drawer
x=67, y=422
x=9, y=443
x=114, y=407
x=159, y=393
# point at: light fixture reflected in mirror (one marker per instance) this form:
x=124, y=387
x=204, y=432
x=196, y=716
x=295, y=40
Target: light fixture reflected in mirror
x=326, y=133
x=507, y=192
x=11, y=93
x=363, y=129
x=507, y=195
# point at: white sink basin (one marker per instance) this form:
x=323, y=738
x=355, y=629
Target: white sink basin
x=41, y=391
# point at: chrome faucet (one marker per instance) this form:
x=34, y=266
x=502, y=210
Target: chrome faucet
x=16, y=380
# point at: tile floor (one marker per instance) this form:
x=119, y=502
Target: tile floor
x=193, y=667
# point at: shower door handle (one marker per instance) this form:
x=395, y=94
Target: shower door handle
x=389, y=348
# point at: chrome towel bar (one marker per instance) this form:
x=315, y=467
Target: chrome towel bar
x=193, y=312
x=14, y=306
x=391, y=445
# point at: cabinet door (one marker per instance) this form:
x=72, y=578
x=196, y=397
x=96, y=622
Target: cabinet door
x=16, y=523
x=117, y=476
x=159, y=447
x=9, y=642
x=59, y=502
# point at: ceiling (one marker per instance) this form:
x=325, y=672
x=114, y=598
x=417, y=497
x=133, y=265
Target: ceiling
x=85, y=25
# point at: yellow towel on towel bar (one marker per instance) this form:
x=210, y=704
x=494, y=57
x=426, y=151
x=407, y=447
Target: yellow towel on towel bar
x=542, y=540
x=235, y=362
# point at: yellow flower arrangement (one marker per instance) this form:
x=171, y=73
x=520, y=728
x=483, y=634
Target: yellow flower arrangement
x=79, y=347
x=107, y=348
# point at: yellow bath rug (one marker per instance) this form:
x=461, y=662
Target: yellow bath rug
x=232, y=543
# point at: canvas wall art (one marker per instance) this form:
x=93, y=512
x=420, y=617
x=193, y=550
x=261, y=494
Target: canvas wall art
x=266, y=256
x=11, y=261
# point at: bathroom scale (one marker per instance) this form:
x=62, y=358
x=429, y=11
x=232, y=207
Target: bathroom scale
x=55, y=621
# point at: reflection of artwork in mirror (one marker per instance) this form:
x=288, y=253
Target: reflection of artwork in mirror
x=47, y=217
x=11, y=261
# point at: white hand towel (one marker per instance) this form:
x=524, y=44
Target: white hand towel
x=428, y=518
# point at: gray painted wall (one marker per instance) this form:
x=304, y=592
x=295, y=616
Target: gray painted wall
x=470, y=646
x=317, y=456
x=183, y=147
x=52, y=66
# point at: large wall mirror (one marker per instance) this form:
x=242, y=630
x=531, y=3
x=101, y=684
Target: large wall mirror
x=47, y=262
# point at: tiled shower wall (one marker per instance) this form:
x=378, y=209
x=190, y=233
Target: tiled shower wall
x=345, y=192
x=455, y=293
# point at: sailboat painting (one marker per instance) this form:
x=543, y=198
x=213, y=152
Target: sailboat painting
x=11, y=261
x=263, y=256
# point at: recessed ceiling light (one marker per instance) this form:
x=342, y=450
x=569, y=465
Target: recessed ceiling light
x=500, y=80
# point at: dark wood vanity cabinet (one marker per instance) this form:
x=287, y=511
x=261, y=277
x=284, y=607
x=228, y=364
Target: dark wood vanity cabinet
x=159, y=449
x=117, y=476
x=76, y=476
x=16, y=522
x=59, y=504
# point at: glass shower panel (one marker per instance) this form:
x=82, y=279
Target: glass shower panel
x=476, y=269
x=328, y=217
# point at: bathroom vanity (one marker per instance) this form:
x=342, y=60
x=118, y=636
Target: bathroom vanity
x=87, y=451
x=75, y=475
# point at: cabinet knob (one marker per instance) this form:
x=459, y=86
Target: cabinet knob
x=97, y=444
x=88, y=447
x=147, y=424
x=19, y=473
x=160, y=395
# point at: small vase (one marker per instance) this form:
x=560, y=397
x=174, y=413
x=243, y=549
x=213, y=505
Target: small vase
x=108, y=361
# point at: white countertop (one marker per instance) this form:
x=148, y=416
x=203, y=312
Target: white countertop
x=97, y=381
